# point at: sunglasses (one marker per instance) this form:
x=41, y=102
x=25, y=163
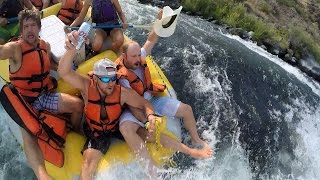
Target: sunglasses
x=107, y=79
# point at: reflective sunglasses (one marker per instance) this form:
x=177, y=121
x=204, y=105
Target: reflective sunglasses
x=107, y=79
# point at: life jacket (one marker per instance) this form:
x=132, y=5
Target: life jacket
x=140, y=86
x=48, y=128
x=97, y=107
x=104, y=12
x=10, y=8
x=70, y=11
x=38, y=4
x=33, y=77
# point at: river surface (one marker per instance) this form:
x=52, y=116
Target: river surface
x=261, y=115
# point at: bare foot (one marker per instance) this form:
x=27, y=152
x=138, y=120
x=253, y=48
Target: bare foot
x=201, y=153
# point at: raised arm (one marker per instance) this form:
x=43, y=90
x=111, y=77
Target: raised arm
x=152, y=38
x=65, y=64
x=82, y=15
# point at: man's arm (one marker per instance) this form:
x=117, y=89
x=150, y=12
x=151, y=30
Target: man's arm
x=152, y=38
x=7, y=51
x=65, y=64
x=132, y=98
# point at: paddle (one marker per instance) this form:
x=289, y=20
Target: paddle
x=163, y=27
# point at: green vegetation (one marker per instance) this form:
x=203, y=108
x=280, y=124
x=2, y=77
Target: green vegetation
x=235, y=13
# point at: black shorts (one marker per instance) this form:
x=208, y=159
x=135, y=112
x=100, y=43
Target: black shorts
x=102, y=142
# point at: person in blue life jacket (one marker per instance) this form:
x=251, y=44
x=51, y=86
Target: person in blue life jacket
x=9, y=25
x=104, y=12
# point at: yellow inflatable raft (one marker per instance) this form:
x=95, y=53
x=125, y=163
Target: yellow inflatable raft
x=119, y=151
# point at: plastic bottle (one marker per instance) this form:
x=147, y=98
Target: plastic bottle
x=83, y=33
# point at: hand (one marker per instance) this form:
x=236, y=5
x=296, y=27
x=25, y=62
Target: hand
x=152, y=122
x=72, y=40
x=3, y=21
x=160, y=14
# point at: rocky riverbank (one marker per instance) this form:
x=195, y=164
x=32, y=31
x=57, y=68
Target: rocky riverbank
x=305, y=61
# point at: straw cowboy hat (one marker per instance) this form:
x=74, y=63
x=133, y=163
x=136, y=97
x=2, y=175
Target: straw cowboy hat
x=166, y=26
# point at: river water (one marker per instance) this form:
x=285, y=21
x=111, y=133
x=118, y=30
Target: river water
x=260, y=114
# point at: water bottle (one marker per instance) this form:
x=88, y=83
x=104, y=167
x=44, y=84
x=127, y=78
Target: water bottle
x=83, y=33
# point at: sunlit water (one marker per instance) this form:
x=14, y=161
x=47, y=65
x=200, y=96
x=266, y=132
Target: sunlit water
x=261, y=115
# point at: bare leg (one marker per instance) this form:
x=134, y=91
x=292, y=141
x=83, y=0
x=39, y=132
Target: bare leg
x=91, y=158
x=117, y=39
x=73, y=105
x=99, y=37
x=185, y=112
x=171, y=143
x=137, y=145
x=34, y=155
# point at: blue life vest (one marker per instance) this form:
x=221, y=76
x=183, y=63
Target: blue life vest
x=104, y=13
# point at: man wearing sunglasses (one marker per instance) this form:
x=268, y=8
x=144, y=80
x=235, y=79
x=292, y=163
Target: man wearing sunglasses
x=104, y=101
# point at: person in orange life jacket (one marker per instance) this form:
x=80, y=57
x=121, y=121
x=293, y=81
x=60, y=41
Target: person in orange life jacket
x=130, y=64
x=28, y=57
x=11, y=9
x=70, y=10
x=104, y=102
x=104, y=12
x=42, y=4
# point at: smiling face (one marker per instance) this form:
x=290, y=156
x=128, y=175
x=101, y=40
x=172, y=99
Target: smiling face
x=132, y=56
x=30, y=31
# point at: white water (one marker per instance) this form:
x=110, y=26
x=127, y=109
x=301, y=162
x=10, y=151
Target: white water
x=214, y=93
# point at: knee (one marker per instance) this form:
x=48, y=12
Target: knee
x=185, y=108
x=126, y=129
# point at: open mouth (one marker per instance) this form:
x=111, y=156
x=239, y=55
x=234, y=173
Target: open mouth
x=136, y=64
x=30, y=36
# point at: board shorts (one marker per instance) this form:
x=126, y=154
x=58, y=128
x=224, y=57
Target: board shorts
x=9, y=31
x=47, y=101
x=102, y=142
x=163, y=106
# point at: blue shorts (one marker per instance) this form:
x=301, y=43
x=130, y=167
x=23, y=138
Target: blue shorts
x=163, y=106
x=47, y=101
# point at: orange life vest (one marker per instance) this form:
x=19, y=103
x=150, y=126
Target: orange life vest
x=135, y=82
x=33, y=76
x=50, y=129
x=70, y=11
x=38, y=4
x=95, y=107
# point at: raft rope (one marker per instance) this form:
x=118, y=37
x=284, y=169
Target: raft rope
x=158, y=130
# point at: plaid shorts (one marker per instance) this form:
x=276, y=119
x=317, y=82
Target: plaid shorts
x=47, y=101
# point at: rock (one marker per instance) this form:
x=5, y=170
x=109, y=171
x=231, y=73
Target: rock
x=310, y=67
x=239, y=32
